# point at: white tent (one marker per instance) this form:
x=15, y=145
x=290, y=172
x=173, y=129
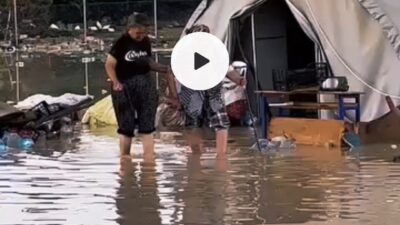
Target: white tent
x=359, y=38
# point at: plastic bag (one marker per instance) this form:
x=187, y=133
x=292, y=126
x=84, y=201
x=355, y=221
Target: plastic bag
x=101, y=113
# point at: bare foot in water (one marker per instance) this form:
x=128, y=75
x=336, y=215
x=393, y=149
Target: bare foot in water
x=222, y=164
x=126, y=165
x=221, y=156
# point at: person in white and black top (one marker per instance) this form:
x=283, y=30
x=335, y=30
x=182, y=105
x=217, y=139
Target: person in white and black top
x=133, y=90
x=206, y=107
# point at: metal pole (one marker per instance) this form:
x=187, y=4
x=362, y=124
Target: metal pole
x=156, y=37
x=16, y=52
x=84, y=22
x=8, y=25
x=155, y=19
x=85, y=40
x=86, y=79
x=253, y=38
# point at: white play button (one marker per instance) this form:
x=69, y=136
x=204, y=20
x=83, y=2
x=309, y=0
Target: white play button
x=200, y=61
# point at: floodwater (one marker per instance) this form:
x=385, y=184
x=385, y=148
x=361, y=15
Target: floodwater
x=81, y=180
x=58, y=74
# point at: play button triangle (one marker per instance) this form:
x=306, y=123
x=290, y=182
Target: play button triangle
x=199, y=61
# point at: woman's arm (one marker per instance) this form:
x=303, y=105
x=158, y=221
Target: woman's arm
x=110, y=66
x=157, y=67
x=173, y=92
x=172, y=85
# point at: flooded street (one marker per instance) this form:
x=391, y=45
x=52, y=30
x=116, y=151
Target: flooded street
x=338, y=48
x=82, y=181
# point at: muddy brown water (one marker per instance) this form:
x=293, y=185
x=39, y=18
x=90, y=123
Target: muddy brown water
x=81, y=180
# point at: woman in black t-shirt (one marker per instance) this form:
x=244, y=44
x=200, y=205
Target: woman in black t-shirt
x=133, y=91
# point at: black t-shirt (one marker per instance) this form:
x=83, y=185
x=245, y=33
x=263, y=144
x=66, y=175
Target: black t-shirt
x=132, y=56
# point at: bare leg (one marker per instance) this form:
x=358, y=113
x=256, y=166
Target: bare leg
x=222, y=164
x=222, y=142
x=148, y=147
x=195, y=141
x=126, y=166
x=125, y=145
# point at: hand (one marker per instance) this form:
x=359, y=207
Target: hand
x=117, y=86
x=242, y=82
x=169, y=70
x=174, y=102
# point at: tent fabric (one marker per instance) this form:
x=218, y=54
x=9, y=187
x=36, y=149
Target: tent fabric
x=386, y=12
x=218, y=15
x=357, y=48
x=195, y=15
x=360, y=41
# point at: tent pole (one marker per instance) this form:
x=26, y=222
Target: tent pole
x=253, y=38
x=84, y=22
x=16, y=52
x=156, y=37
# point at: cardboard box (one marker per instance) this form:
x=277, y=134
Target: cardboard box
x=309, y=131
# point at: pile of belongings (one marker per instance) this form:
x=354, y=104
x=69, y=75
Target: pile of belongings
x=235, y=100
x=22, y=124
x=102, y=114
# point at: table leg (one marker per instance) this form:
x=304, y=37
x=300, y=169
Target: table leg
x=358, y=115
x=358, y=109
x=341, y=107
x=263, y=116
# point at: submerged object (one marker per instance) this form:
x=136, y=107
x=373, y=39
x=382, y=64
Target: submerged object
x=2, y=145
x=11, y=139
x=26, y=143
x=352, y=139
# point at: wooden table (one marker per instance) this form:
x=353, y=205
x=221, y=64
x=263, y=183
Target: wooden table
x=339, y=105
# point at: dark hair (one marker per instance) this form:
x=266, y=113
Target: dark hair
x=198, y=28
x=137, y=19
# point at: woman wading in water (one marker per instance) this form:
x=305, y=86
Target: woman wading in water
x=133, y=90
x=206, y=106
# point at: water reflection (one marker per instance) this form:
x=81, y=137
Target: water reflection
x=137, y=197
x=205, y=190
x=83, y=181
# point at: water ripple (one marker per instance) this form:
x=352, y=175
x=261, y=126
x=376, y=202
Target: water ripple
x=83, y=181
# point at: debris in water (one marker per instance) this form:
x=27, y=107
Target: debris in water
x=275, y=144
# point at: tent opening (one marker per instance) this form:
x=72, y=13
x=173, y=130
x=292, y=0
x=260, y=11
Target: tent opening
x=280, y=44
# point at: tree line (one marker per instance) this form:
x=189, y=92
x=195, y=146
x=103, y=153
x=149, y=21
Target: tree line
x=35, y=16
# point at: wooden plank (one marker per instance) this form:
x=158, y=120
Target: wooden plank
x=309, y=131
x=280, y=93
x=313, y=105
